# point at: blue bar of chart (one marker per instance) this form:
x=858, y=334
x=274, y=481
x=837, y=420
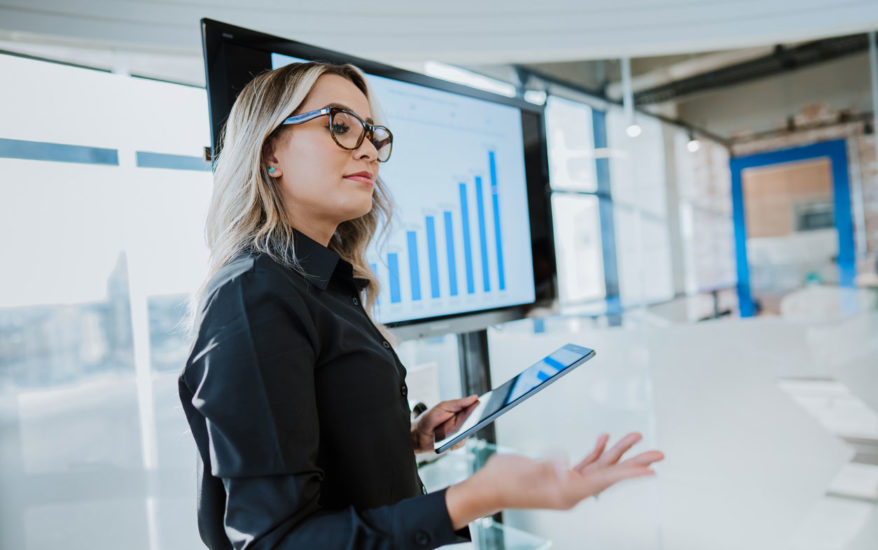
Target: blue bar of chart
x=432, y=257
x=483, y=236
x=492, y=163
x=414, y=270
x=393, y=268
x=449, y=251
x=467, y=245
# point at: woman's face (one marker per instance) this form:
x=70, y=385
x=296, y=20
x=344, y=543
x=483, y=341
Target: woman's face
x=323, y=185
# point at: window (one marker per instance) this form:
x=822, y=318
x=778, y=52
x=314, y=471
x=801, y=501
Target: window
x=637, y=175
x=102, y=206
x=578, y=247
x=575, y=203
x=570, y=136
x=706, y=229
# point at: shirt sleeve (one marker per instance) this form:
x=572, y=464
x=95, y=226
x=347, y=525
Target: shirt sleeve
x=252, y=380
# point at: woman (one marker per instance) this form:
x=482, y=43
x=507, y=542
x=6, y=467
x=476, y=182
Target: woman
x=295, y=397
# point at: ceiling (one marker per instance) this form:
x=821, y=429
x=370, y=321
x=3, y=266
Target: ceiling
x=455, y=31
x=678, y=46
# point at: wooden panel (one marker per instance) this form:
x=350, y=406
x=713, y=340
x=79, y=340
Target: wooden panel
x=770, y=194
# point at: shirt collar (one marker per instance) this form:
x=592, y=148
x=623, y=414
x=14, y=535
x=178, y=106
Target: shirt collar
x=322, y=264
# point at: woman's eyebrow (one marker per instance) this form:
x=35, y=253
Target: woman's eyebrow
x=345, y=107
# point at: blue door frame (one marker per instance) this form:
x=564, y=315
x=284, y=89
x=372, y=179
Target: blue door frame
x=836, y=151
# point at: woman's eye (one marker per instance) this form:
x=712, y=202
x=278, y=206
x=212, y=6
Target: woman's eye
x=339, y=129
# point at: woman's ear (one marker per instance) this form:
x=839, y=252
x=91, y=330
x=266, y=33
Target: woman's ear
x=269, y=158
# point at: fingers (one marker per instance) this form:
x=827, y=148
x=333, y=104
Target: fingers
x=637, y=466
x=443, y=412
x=456, y=420
x=615, y=453
x=595, y=453
x=446, y=411
x=455, y=405
x=644, y=459
x=445, y=418
x=602, y=469
x=461, y=416
x=612, y=456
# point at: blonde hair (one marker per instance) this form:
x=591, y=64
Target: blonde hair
x=246, y=211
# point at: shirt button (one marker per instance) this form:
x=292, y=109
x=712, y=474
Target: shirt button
x=422, y=538
x=403, y=390
x=386, y=344
x=356, y=302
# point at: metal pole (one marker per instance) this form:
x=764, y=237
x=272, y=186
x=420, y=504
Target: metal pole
x=873, y=69
x=627, y=91
x=475, y=370
x=475, y=378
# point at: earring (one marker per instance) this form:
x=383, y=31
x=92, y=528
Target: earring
x=271, y=169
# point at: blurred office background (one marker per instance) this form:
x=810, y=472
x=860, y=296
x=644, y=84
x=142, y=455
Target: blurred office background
x=717, y=246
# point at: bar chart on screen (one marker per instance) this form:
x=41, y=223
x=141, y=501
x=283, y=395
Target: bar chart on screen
x=453, y=252
x=460, y=237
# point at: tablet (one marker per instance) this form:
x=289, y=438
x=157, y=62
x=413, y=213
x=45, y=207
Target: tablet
x=514, y=391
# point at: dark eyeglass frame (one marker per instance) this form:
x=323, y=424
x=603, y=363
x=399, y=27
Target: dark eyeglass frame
x=331, y=111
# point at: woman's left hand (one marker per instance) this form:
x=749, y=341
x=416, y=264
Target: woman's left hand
x=440, y=421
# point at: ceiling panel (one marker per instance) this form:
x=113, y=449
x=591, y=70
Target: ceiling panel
x=490, y=31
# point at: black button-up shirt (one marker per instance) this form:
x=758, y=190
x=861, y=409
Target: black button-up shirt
x=298, y=407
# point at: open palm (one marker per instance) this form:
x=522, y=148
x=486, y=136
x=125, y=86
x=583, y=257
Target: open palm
x=527, y=483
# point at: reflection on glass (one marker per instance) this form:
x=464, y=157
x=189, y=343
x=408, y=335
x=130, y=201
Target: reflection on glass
x=578, y=246
x=46, y=345
x=70, y=369
x=570, y=138
x=168, y=337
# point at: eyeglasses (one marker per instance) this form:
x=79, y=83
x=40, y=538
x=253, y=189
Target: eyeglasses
x=349, y=130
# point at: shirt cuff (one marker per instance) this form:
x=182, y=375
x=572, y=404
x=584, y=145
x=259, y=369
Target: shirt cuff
x=423, y=522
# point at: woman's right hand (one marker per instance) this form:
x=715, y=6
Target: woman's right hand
x=512, y=481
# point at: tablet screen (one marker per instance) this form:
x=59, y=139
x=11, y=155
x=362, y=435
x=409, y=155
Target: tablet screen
x=502, y=398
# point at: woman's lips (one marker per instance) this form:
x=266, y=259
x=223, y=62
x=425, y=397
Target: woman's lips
x=361, y=177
